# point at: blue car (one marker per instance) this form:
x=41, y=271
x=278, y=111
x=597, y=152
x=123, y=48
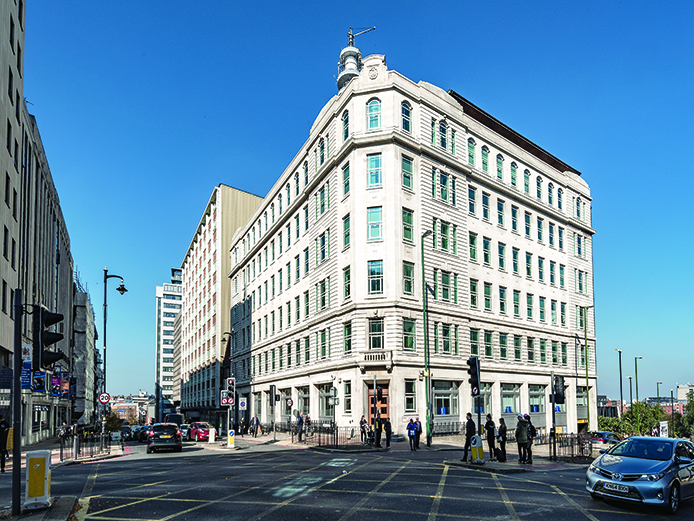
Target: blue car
x=652, y=471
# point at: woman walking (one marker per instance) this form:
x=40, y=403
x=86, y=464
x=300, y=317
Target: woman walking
x=489, y=429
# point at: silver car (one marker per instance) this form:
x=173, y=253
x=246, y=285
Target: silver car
x=653, y=471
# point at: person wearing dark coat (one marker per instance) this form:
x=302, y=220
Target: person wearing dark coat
x=389, y=431
x=502, y=437
x=522, y=439
x=363, y=426
x=418, y=425
x=378, y=427
x=489, y=429
x=412, y=434
x=469, y=433
x=4, y=430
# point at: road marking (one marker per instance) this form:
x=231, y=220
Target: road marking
x=437, y=498
x=368, y=496
x=579, y=507
x=83, y=500
x=506, y=500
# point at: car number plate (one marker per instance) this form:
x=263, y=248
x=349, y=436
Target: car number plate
x=165, y=436
x=617, y=488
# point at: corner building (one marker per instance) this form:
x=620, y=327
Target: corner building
x=327, y=275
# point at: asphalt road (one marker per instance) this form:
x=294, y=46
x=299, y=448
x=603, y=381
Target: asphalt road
x=274, y=483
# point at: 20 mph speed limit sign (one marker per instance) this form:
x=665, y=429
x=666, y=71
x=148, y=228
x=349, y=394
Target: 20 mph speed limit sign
x=104, y=398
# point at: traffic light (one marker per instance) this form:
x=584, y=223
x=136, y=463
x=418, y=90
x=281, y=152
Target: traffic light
x=474, y=372
x=231, y=386
x=42, y=319
x=379, y=393
x=559, y=397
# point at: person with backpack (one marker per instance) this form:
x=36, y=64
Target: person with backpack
x=522, y=439
x=502, y=440
x=490, y=431
x=532, y=432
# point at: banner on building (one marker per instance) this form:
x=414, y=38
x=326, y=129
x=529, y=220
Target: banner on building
x=65, y=385
x=39, y=382
x=55, y=384
x=26, y=374
x=72, y=393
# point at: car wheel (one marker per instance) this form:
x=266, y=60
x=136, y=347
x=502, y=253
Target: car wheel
x=179, y=449
x=673, y=499
x=149, y=451
x=594, y=495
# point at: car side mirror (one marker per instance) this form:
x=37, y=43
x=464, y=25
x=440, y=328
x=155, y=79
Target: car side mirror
x=682, y=460
x=603, y=451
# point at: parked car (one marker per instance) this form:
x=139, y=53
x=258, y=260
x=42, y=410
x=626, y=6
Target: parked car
x=198, y=431
x=184, y=430
x=164, y=436
x=603, y=437
x=144, y=432
x=653, y=471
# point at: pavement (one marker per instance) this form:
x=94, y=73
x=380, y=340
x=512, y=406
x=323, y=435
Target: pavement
x=451, y=446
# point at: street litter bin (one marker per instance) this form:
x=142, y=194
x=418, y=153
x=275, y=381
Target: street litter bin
x=38, y=479
x=477, y=450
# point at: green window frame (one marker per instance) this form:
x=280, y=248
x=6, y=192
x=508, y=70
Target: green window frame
x=500, y=167
x=474, y=302
x=471, y=151
x=409, y=334
x=485, y=159
x=408, y=278
x=407, y=173
x=408, y=225
x=373, y=114
x=475, y=342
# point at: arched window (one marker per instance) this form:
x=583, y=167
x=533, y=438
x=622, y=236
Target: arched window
x=578, y=207
x=272, y=213
x=500, y=166
x=321, y=150
x=373, y=114
x=406, y=116
x=485, y=158
x=526, y=181
x=305, y=173
x=289, y=194
x=560, y=198
x=296, y=182
x=539, y=187
x=443, y=134
x=514, y=172
x=345, y=125
x=550, y=194
x=471, y=151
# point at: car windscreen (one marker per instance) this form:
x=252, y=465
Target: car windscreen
x=643, y=449
x=170, y=429
x=203, y=425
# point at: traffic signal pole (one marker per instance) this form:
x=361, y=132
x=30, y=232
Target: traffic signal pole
x=554, y=420
x=17, y=404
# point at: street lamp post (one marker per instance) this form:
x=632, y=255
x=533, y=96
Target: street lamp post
x=638, y=413
x=621, y=394
x=120, y=289
x=631, y=396
x=587, y=358
x=672, y=413
x=427, y=381
x=657, y=391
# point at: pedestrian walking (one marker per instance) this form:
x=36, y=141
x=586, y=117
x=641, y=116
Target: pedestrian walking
x=412, y=434
x=532, y=432
x=490, y=431
x=4, y=430
x=242, y=426
x=522, y=439
x=299, y=425
x=363, y=426
x=417, y=437
x=470, y=430
x=255, y=425
x=389, y=431
x=502, y=439
x=378, y=427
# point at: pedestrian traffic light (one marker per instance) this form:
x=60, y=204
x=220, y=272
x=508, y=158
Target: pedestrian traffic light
x=559, y=397
x=42, y=319
x=474, y=372
x=379, y=393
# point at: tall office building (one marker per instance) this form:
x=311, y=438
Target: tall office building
x=206, y=298
x=169, y=299
x=401, y=183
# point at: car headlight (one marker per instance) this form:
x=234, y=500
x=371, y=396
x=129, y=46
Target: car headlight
x=655, y=477
x=593, y=468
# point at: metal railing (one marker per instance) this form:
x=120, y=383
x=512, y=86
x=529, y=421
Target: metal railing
x=84, y=445
x=446, y=428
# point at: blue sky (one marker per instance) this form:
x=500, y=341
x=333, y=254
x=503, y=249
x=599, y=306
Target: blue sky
x=143, y=107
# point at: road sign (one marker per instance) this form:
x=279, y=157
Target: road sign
x=242, y=404
x=290, y=402
x=231, y=400
x=104, y=398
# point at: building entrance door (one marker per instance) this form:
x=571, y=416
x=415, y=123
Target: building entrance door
x=382, y=406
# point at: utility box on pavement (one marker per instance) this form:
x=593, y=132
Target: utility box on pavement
x=477, y=450
x=211, y=435
x=38, y=479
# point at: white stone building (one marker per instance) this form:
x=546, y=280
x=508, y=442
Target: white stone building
x=169, y=299
x=326, y=276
